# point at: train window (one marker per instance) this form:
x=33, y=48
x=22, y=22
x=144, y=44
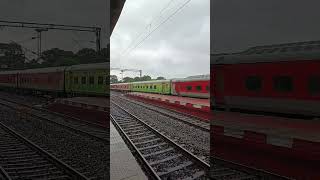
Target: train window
x=154, y=87
x=100, y=80
x=198, y=88
x=91, y=80
x=189, y=88
x=314, y=84
x=207, y=88
x=83, y=80
x=253, y=83
x=282, y=83
x=75, y=80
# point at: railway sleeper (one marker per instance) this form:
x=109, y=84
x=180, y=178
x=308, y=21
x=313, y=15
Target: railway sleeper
x=23, y=163
x=11, y=153
x=152, y=146
x=132, y=128
x=175, y=168
x=142, y=137
x=139, y=134
x=29, y=166
x=145, y=142
x=44, y=175
x=139, y=130
x=165, y=159
x=36, y=171
x=130, y=125
x=158, y=152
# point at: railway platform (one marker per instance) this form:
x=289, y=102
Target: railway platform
x=123, y=164
x=92, y=109
x=285, y=146
x=193, y=106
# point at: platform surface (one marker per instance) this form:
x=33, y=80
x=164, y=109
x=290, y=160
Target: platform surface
x=123, y=165
x=182, y=100
x=276, y=126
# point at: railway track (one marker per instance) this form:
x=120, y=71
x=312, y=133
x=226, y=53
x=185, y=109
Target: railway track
x=161, y=157
x=192, y=121
x=94, y=132
x=22, y=159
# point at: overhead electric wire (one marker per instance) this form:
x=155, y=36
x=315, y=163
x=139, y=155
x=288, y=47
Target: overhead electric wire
x=148, y=25
x=168, y=18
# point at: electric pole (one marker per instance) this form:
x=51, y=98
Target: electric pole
x=39, y=31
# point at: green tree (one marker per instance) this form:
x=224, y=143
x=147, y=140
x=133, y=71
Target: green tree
x=86, y=55
x=113, y=79
x=127, y=79
x=136, y=79
x=145, y=78
x=58, y=57
x=160, y=78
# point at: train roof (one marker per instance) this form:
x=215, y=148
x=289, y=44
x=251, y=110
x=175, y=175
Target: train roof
x=35, y=70
x=102, y=66
x=154, y=81
x=195, y=78
x=44, y=70
x=309, y=50
x=10, y=72
x=119, y=83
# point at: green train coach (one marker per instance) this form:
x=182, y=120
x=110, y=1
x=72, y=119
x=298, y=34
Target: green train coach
x=83, y=79
x=193, y=86
x=87, y=79
x=160, y=86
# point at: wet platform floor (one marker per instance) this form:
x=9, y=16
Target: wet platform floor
x=123, y=165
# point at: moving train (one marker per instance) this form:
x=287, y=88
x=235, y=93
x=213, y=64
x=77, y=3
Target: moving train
x=190, y=87
x=83, y=79
x=283, y=78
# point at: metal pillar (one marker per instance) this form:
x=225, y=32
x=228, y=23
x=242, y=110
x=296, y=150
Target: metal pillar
x=98, y=39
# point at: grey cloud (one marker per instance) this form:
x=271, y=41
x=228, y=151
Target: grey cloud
x=237, y=25
x=179, y=48
x=72, y=12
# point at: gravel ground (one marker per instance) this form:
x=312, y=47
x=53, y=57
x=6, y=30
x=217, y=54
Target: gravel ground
x=31, y=100
x=193, y=139
x=76, y=150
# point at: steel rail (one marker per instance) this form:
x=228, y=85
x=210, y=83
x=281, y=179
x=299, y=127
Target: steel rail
x=68, y=169
x=170, y=115
x=205, y=166
x=98, y=138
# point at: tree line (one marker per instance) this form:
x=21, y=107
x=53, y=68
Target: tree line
x=114, y=79
x=12, y=57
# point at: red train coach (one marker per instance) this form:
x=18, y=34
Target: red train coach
x=282, y=78
x=9, y=79
x=120, y=86
x=192, y=87
x=45, y=79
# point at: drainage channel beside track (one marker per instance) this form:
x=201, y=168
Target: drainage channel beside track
x=161, y=157
x=22, y=159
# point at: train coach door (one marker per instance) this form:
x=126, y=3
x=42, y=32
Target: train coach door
x=218, y=85
x=163, y=88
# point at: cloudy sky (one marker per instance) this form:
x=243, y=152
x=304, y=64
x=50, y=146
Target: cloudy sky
x=239, y=24
x=178, y=48
x=71, y=12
